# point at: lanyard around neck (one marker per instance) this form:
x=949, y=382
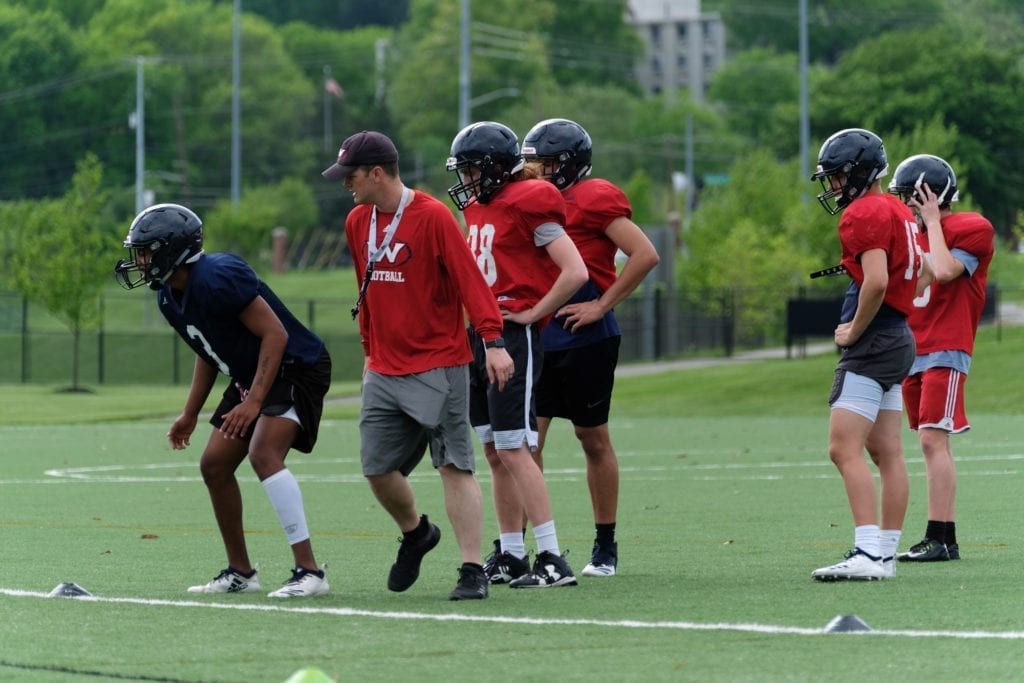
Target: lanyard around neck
x=389, y=232
x=375, y=252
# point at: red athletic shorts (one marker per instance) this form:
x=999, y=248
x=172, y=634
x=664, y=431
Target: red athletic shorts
x=935, y=399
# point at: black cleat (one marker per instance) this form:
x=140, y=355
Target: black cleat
x=927, y=550
x=549, y=570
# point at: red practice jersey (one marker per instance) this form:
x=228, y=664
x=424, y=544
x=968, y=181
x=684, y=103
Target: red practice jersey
x=881, y=221
x=412, y=319
x=590, y=207
x=500, y=235
x=946, y=316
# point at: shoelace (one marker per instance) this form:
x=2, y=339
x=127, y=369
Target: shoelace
x=298, y=574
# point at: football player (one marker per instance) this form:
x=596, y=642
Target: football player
x=581, y=345
x=279, y=372
x=515, y=228
x=959, y=247
x=877, y=234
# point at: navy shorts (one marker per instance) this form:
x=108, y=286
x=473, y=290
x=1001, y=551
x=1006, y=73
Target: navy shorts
x=577, y=383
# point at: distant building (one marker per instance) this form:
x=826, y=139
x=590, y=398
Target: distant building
x=683, y=46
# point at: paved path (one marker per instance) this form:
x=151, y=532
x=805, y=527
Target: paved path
x=637, y=369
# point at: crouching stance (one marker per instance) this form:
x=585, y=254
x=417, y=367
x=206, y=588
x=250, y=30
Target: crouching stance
x=279, y=372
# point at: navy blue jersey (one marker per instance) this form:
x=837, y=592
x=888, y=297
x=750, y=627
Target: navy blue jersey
x=219, y=288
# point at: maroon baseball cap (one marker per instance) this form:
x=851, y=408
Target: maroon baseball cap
x=366, y=148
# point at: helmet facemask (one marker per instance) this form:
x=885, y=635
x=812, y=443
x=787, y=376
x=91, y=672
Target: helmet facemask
x=479, y=179
x=835, y=199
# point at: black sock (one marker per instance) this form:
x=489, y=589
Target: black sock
x=936, y=531
x=472, y=565
x=605, y=534
x=950, y=533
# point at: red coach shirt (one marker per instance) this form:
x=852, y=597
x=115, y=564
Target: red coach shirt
x=501, y=236
x=946, y=316
x=590, y=207
x=881, y=221
x=413, y=319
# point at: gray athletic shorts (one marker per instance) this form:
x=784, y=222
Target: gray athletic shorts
x=402, y=415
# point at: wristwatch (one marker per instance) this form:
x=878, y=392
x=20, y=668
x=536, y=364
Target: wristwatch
x=496, y=343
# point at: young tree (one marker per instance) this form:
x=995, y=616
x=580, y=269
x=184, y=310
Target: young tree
x=63, y=255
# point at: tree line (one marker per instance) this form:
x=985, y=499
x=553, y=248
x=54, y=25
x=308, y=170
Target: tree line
x=941, y=76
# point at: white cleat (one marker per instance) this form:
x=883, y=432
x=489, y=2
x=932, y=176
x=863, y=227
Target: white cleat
x=858, y=566
x=230, y=581
x=303, y=584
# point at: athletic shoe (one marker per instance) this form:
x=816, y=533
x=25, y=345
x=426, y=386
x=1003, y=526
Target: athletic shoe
x=406, y=568
x=889, y=567
x=928, y=550
x=472, y=584
x=858, y=566
x=506, y=567
x=602, y=561
x=490, y=562
x=230, y=581
x=303, y=584
x=549, y=570
x=954, y=551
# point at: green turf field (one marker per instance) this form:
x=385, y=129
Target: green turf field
x=728, y=503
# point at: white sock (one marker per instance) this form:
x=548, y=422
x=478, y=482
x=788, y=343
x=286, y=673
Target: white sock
x=889, y=541
x=547, y=539
x=285, y=496
x=513, y=544
x=866, y=538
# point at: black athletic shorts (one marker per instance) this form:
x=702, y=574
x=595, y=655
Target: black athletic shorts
x=297, y=385
x=577, y=383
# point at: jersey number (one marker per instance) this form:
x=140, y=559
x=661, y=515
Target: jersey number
x=914, y=251
x=481, y=243
x=194, y=333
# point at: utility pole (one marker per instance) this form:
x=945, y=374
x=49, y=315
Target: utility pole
x=236, y=116
x=139, y=119
x=327, y=109
x=464, y=85
x=805, y=125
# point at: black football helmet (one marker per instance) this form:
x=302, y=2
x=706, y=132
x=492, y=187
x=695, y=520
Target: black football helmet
x=565, y=149
x=925, y=168
x=856, y=153
x=160, y=239
x=492, y=149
